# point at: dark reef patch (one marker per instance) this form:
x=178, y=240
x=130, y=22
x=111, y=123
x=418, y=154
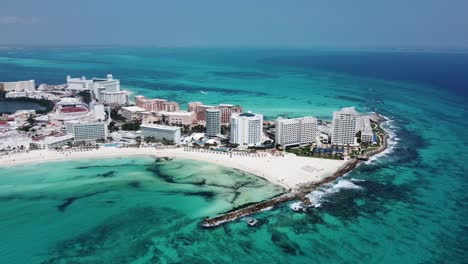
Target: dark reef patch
x=104, y=166
x=282, y=241
x=68, y=201
x=104, y=243
x=108, y=174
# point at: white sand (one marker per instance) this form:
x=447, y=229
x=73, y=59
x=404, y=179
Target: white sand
x=289, y=171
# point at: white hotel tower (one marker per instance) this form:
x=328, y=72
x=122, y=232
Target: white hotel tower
x=344, y=126
x=246, y=129
x=296, y=131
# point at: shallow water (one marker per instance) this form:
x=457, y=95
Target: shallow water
x=406, y=207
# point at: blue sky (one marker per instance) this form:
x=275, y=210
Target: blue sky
x=301, y=23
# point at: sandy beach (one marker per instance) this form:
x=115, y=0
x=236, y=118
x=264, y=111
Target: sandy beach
x=289, y=171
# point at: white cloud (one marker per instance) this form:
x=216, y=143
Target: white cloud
x=17, y=20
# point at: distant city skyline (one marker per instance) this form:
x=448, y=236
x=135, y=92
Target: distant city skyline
x=273, y=23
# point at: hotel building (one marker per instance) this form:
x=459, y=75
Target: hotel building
x=155, y=105
x=20, y=86
x=132, y=112
x=213, y=122
x=344, y=126
x=246, y=129
x=106, y=91
x=363, y=124
x=51, y=142
x=79, y=84
x=200, y=110
x=161, y=132
x=296, y=131
x=87, y=131
x=227, y=110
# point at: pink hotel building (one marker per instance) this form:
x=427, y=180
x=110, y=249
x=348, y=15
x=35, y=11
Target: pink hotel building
x=226, y=111
x=155, y=105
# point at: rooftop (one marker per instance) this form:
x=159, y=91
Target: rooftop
x=173, y=128
x=134, y=109
x=248, y=114
x=73, y=109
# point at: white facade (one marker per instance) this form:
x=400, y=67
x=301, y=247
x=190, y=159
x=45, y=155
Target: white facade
x=52, y=142
x=87, y=131
x=296, y=131
x=246, y=129
x=161, y=132
x=132, y=112
x=344, y=126
x=20, y=86
x=363, y=124
x=78, y=84
x=98, y=111
x=213, y=122
x=108, y=91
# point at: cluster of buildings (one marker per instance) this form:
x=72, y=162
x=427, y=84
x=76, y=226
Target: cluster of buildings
x=346, y=125
x=72, y=120
x=106, y=91
x=20, y=86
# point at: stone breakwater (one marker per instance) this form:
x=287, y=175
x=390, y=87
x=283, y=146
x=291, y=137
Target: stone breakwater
x=265, y=205
x=298, y=194
x=248, y=210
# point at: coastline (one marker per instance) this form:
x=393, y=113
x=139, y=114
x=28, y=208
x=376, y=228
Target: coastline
x=303, y=174
x=289, y=171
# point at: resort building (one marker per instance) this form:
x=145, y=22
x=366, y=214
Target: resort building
x=246, y=129
x=161, y=132
x=170, y=118
x=107, y=91
x=213, y=122
x=70, y=109
x=51, y=142
x=363, y=125
x=87, y=131
x=132, y=112
x=155, y=105
x=20, y=86
x=200, y=111
x=79, y=84
x=227, y=110
x=98, y=111
x=296, y=131
x=344, y=126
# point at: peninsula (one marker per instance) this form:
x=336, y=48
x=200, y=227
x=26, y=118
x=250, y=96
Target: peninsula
x=95, y=119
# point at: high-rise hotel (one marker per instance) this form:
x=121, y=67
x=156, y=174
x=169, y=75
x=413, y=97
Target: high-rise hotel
x=344, y=126
x=246, y=129
x=296, y=131
x=213, y=122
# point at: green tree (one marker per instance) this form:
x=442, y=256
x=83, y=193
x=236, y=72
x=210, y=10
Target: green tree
x=85, y=96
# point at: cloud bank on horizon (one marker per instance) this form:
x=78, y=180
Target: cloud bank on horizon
x=303, y=23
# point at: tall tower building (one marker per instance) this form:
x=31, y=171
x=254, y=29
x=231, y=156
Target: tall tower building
x=296, y=131
x=344, y=126
x=246, y=129
x=213, y=122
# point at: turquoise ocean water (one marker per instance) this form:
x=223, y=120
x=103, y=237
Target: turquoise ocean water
x=407, y=206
